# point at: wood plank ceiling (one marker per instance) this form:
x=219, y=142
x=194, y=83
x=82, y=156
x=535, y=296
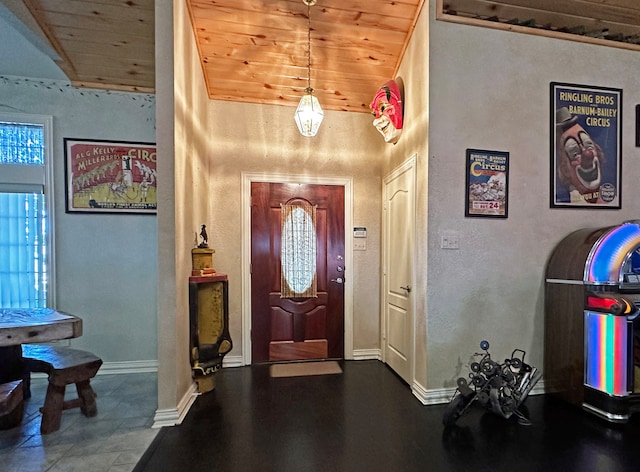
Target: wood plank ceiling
x=105, y=44
x=251, y=50
x=256, y=50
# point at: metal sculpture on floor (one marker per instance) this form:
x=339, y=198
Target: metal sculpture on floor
x=501, y=388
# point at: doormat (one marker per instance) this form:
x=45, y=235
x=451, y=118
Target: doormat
x=300, y=369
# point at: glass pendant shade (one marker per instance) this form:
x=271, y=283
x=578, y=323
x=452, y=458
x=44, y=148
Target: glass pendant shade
x=309, y=114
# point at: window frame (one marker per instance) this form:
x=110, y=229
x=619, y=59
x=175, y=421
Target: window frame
x=35, y=180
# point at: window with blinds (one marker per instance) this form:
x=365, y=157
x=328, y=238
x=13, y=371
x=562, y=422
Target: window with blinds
x=24, y=212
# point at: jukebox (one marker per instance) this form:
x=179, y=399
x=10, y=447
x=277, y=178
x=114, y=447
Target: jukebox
x=592, y=330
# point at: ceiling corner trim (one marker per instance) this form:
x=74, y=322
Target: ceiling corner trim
x=442, y=14
x=414, y=22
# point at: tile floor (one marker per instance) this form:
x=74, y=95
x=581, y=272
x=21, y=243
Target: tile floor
x=113, y=441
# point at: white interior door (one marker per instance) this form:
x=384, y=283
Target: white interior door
x=398, y=247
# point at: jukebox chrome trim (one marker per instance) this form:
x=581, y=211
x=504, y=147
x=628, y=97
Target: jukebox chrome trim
x=604, y=263
x=563, y=281
x=613, y=417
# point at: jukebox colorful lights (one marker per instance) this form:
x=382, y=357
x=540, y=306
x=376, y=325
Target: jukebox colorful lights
x=608, y=254
x=606, y=362
x=609, y=304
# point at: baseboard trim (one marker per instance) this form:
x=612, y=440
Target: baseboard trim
x=115, y=368
x=438, y=396
x=128, y=367
x=174, y=416
x=232, y=361
x=358, y=355
x=539, y=389
x=367, y=354
x=419, y=391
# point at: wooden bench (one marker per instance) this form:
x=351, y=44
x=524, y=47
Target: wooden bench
x=11, y=404
x=64, y=366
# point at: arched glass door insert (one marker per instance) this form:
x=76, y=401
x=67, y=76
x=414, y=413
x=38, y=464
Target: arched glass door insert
x=298, y=251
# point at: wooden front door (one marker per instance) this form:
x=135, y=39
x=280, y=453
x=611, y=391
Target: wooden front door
x=284, y=329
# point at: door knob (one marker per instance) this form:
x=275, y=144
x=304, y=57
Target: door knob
x=407, y=288
x=339, y=280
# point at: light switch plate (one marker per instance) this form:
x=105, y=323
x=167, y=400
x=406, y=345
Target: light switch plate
x=450, y=240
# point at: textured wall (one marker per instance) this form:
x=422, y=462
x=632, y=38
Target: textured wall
x=185, y=174
x=264, y=139
x=105, y=264
x=490, y=90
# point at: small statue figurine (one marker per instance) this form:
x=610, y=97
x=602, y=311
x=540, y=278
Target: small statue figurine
x=203, y=235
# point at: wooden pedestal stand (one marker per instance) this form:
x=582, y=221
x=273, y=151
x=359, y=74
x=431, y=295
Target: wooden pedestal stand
x=202, y=261
x=209, y=319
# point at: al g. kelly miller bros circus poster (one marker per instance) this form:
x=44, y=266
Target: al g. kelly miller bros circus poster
x=586, y=143
x=110, y=176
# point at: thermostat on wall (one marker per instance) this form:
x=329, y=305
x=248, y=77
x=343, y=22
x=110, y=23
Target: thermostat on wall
x=359, y=232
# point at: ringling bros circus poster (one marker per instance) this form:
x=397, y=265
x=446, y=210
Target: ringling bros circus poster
x=586, y=144
x=110, y=176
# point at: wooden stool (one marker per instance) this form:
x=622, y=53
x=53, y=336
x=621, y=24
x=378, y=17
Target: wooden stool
x=64, y=366
x=11, y=404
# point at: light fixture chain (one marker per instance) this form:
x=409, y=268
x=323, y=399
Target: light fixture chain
x=309, y=44
x=309, y=114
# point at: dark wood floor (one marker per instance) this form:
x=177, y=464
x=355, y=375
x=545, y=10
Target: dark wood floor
x=366, y=420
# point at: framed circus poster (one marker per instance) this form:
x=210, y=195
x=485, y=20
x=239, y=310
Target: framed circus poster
x=487, y=184
x=110, y=176
x=586, y=144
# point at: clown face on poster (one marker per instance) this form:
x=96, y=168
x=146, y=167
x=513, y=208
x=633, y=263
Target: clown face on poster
x=586, y=139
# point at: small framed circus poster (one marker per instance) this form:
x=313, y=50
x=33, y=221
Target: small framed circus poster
x=487, y=184
x=110, y=176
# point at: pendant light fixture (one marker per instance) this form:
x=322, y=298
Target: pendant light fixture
x=309, y=114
